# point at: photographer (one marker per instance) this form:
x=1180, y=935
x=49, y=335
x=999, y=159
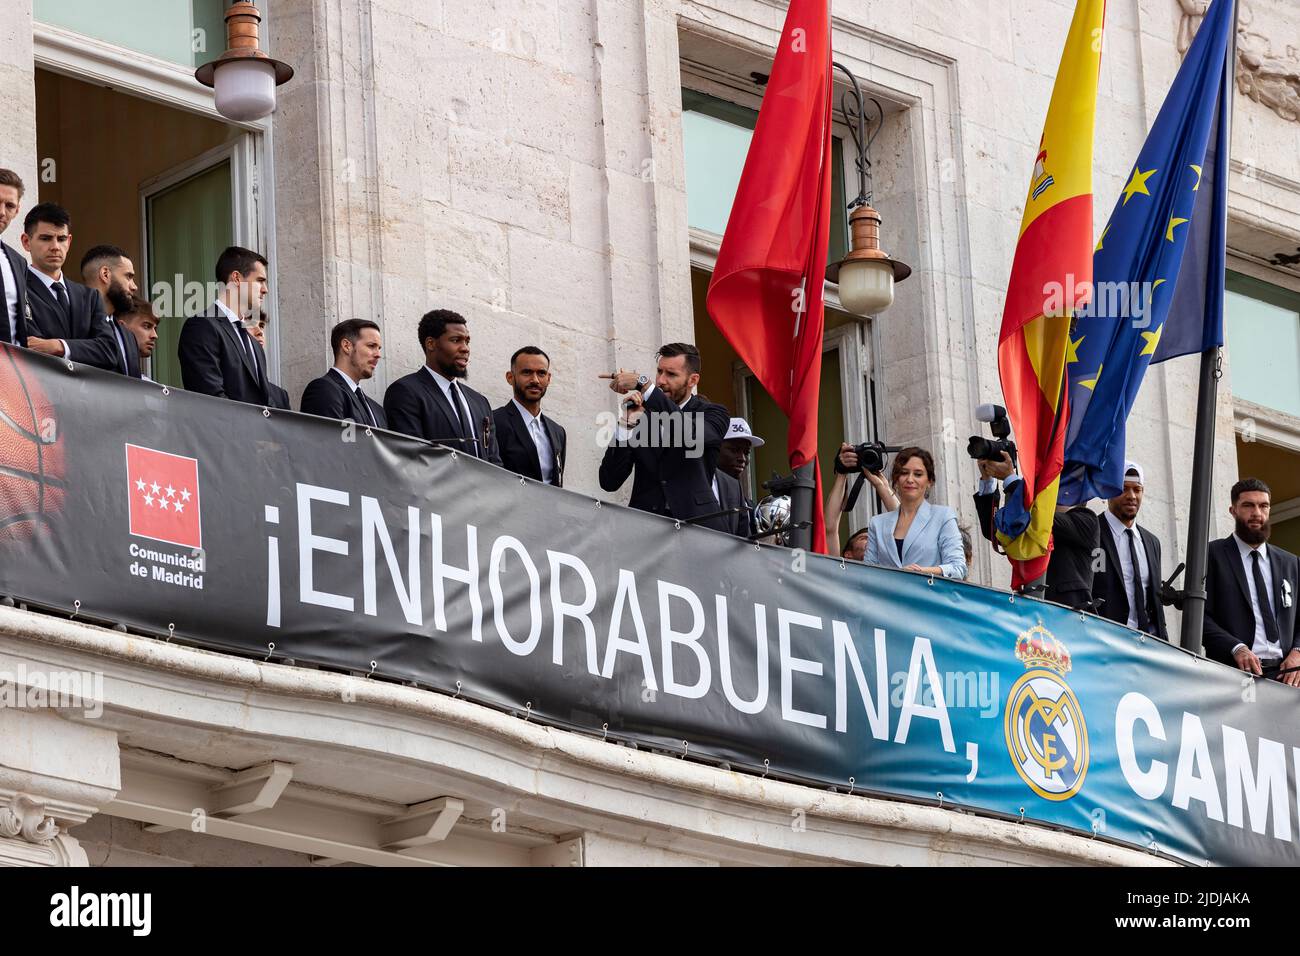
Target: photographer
x=918, y=536
x=1076, y=536
x=849, y=464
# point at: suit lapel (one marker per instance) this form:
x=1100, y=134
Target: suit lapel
x=1153, y=577
x=557, y=454
x=923, y=515
x=235, y=339
x=443, y=405
x=523, y=435
x=889, y=526
x=1111, y=547
x=1233, y=556
x=1278, y=569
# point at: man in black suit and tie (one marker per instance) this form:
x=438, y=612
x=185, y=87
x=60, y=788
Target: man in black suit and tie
x=275, y=395
x=432, y=403
x=357, y=344
x=1128, y=584
x=532, y=444
x=67, y=319
x=137, y=327
x=1250, y=586
x=669, y=439
x=733, y=458
x=108, y=271
x=218, y=354
x=13, y=267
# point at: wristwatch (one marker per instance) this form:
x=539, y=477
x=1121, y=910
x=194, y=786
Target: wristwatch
x=641, y=382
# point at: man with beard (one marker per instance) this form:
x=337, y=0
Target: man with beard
x=357, y=345
x=669, y=438
x=532, y=444
x=1250, y=585
x=109, y=271
x=218, y=355
x=1127, y=586
x=431, y=403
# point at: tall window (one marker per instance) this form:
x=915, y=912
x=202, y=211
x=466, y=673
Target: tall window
x=186, y=32
x=1262, y=327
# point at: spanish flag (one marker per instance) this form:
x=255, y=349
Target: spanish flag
x=1051, y=275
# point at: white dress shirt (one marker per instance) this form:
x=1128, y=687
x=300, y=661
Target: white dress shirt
x=1121, y=532
x=11, y=295
x=537, y=432
x=1260, y=645
x=444, y=383
x=49, y=284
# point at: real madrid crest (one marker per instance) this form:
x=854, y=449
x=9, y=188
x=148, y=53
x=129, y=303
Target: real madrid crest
x=1047, y=737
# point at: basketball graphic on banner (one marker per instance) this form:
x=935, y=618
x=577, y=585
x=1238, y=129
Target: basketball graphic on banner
x=31, y=453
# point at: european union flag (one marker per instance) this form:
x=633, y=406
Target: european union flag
x=1158, y=267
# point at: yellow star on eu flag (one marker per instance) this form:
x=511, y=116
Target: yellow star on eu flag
x=1091, y=383
x=1072, y=349
x=1173, y=221
x=1102, y=238
x=1153, y=339
x=1198, y=176
x=1138, y=184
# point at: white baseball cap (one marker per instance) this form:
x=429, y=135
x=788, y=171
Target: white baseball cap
x=739, y=428
x=1133, y=472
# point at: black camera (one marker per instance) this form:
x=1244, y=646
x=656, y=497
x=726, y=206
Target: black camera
x=871, y=456
x=985, y=449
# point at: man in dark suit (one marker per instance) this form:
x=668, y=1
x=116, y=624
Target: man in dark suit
x=108, y=271
x=432, y=403
x=357, y=345
x=1127, y=585
x=137, y=329
x=669, y=440
x=13, y=267
x=733, y=459
x=218, y=354
x=532, y=444
x=1250, y=587
x=67, y=319
x=276, y=396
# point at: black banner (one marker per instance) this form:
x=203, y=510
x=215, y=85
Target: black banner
x=347, y=547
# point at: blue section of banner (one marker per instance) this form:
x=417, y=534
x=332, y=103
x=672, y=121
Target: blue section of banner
x=1159, y=266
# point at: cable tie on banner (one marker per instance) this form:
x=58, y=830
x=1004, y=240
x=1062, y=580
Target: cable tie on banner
x=604, y=730
x=686, y=748
x=369, y=432
x=453, y=456
x=373, y=665
x=597, y=504
x=1083, y=615
x=528, y=711
x=1142, y=637
x=1012, y=597
x=71, y=367
x=1152, y=849
x=1022, y=814
x=266, y=413
x=843, y=565
x=171, y=632
x=76, y=608
x=852, y=783
x=166, y=390
x=939, y=794
x=523, y=480
x=457, y=694
x=677, y=526
x=767, y=765
x=930, y=580
x=1096, y=828
x=270, y=649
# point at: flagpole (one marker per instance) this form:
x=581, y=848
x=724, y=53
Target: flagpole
x=1198, y=527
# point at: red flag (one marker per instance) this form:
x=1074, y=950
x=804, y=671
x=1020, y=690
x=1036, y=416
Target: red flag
x=163, y=491
x=766, y=292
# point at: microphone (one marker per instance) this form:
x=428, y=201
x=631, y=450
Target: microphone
x=989, y=412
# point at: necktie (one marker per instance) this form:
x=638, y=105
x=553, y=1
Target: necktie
x=365, y=407
x=1137, y=599
x=61, y=294
x=466, y=431
x=1265, y=600
x=252, y=352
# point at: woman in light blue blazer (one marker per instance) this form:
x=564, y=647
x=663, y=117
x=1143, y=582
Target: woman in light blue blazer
x=918, y=536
